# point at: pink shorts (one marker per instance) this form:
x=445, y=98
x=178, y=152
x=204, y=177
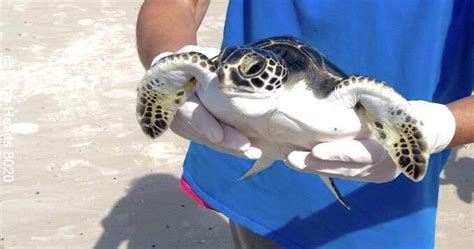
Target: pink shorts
x=191, y=194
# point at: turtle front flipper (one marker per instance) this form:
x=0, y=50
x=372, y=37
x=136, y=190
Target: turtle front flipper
x=156, y=107
x=166, y=86
x=390, y=119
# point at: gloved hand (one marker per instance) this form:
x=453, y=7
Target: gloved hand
x=367, y=160
x=194, y=122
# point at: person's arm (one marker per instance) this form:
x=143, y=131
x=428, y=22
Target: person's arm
x=167, y=25
x=463, y=111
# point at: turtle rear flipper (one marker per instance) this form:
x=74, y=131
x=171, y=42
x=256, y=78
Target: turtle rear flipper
x=166, y=86
x=331, y=185
x=390, y=119
x=265, y=162
x=259, y=165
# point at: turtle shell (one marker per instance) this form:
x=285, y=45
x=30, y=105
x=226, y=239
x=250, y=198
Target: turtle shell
x=304, y=63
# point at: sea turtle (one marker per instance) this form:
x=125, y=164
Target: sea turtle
x=285, y=96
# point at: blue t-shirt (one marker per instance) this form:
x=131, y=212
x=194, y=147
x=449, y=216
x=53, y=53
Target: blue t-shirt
x=423, y=48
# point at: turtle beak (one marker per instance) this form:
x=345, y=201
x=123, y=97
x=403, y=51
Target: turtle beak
x=220, y=75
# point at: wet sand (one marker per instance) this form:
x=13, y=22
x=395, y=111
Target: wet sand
x=84, y=174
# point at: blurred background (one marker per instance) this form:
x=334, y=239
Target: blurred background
x=80, y=172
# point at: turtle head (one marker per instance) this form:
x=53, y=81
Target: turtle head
x=251, y=72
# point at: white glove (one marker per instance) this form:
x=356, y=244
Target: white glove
x=194, y=122
x=367, y=160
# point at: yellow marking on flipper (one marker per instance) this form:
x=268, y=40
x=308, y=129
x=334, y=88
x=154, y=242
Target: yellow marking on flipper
x=161, y=106
x=400, y=135
x=389, y=117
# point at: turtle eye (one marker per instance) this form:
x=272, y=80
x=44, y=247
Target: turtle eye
x=253, y=69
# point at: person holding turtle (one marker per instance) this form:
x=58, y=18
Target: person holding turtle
x=424, y=53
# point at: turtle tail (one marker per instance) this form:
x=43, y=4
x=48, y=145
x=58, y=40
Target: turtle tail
x=390, y=119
